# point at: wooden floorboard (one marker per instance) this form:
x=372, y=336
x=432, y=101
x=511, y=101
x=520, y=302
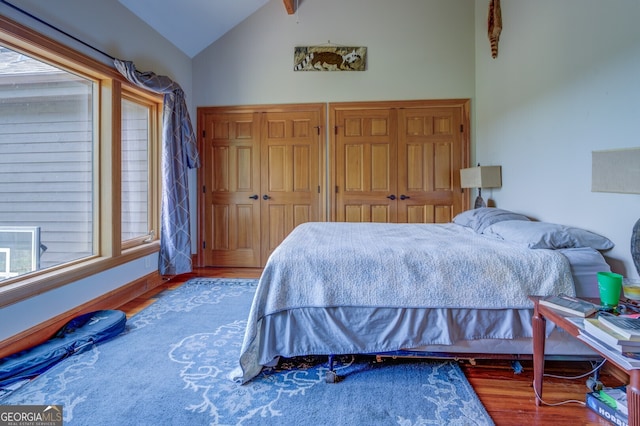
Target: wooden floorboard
x=510, y=400
x=508, y=396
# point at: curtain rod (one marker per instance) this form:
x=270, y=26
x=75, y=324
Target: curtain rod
x=24, y=12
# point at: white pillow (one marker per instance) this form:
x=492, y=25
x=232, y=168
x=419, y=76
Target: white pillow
x=478, y=219
x=544, y=235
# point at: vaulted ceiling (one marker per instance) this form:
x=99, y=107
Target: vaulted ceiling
x=192, y=25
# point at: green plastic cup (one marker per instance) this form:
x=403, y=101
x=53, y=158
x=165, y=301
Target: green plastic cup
x=610, y=286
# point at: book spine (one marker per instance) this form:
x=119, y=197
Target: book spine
x=595, y=403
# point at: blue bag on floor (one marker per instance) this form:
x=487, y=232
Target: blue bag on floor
x=77, y=335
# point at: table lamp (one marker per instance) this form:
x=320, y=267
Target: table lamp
x=481, y=177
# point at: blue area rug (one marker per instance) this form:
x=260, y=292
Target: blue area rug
x=170, y=367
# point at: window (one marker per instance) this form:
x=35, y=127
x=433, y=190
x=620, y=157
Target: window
x=137, y=122
x=78, y=164
x=46, y=162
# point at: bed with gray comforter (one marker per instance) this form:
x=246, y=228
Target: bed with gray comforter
x=368, y=288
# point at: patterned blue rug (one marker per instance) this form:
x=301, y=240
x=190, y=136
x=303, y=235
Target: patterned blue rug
x=170, y=367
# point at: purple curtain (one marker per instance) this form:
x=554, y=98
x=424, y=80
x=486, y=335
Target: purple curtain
x=179, y=153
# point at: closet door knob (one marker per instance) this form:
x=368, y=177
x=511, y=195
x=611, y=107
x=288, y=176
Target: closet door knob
x=391, y=197
x=266, y=197
x=254, y=197
x=404, y=197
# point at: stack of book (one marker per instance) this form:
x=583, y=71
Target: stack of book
x=610, y=404
x=617, y=336
x=614, y=337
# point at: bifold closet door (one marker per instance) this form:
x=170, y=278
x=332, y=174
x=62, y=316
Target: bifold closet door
x=365, y=165
x=232, y=190
x=292, y=145
x=430, y=153
x=262, y=172
x=399, y=161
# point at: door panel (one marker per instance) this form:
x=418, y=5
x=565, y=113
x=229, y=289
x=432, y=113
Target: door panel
x=232, y=218
x=365, y=165
x=291, y=151
x=430, y=151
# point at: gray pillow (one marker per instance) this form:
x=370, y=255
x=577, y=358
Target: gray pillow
x=544, y=235
x=480, y=218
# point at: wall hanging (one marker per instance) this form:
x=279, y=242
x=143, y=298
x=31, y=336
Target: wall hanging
x=329, y=58
x=494, y=26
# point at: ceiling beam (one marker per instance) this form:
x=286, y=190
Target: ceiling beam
x=288, y=4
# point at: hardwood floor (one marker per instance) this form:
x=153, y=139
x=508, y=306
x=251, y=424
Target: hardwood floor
x=507, y=396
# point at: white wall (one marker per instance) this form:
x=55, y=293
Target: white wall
x=566, y=82
x=110, y=27
x=417, y=49
x=31, y=312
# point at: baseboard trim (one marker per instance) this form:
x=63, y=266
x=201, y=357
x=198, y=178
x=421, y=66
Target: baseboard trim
x=111, y=300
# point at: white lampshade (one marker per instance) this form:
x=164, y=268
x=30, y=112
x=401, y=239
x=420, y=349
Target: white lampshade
x=481, y=177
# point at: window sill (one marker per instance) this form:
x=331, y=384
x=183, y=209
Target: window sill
x=22, y=289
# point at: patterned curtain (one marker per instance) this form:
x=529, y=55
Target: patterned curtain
x=179, y=152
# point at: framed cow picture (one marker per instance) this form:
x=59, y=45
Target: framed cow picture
x=329, y=58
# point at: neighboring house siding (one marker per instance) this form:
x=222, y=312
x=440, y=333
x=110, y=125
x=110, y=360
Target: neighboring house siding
x=46, y=161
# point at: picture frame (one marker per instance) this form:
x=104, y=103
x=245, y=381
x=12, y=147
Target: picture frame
x=329, y=58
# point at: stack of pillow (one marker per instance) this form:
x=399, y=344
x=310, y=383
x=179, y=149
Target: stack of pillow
x=517, y=228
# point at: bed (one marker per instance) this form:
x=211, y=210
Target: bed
x=336, y=288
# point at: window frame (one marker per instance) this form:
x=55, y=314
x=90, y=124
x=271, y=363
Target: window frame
x=153, y=161
x=111, y=88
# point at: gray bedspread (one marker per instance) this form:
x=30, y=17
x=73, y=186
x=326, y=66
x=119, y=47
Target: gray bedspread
x=332, y=264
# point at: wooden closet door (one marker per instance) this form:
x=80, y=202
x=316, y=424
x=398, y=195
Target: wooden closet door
x=261, y=177
x=231, y=211
x=430, y=153
x=399, y=161
x=291, y=155
x=365, y=165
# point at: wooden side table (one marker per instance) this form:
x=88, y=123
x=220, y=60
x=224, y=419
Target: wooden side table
x=540, y=316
